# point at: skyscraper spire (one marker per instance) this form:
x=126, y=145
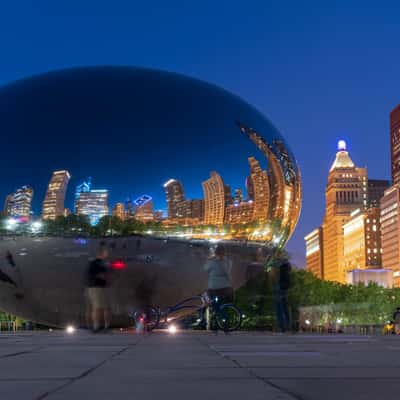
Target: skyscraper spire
x=342, y=159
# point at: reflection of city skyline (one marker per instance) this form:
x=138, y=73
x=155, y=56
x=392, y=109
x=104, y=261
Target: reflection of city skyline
x=220, y=205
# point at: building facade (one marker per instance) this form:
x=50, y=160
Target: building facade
x=362, y=247
x=19, y=203
x=395, y=144
x=94, y=204
x=390, y=231
x=259, y=191
x=239, y=213
x=119, y=211
x=315, y=252
x=376, y=190
x=175, y=198
x=144, y=208
x=53, y=204
x=346, y=191
x=84, y=187
x=214, y=200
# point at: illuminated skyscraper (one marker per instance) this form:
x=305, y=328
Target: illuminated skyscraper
x=84, y=187
x=315, y=253
x=238, y=196
x=144, y=208
x=390, y=231
x=362, y=241
x=119, y=211
x=193, y=209
x=175, y=198
x=284, y=183
x=53, y=204
x=395, y=144
x=258, y=181
x=94, y=204
x=214, y=200
x=18, y=204
x=345, y=192
x=376, y=189
x=239, y=213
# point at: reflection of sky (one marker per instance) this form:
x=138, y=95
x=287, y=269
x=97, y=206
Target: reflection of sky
x=129, y=135
x=317, y=70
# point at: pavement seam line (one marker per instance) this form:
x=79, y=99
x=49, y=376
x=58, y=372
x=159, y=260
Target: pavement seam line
x=295, y=396
x=21, y=353
x=84, y=374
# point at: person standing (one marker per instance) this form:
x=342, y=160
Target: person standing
x=396, y=321
x=280, y=282
x=96, y=284
x=219, y=268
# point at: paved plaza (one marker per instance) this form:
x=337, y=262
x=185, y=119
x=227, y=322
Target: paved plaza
x=188, y=365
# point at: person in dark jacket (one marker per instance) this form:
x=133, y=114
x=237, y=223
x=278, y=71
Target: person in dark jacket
x=396, y=321
x=96, y=289
x=280, y=282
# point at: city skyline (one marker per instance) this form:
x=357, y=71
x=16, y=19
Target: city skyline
x=320, y=75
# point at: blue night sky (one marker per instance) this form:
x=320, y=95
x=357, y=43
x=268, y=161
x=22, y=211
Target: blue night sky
x=319, y=72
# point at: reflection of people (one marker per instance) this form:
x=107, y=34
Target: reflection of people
x=96, y=282
x=219, y=268
x=396, y=320
x=280, y=281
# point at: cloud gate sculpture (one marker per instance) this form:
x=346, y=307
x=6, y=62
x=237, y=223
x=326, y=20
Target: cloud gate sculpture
x=218, y=170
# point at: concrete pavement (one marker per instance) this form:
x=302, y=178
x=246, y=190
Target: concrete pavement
x=190, y=365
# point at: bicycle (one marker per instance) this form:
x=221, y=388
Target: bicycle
x=227, y=317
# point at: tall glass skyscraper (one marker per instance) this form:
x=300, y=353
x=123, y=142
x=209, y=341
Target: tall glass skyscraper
x=175, y=198
x=214, y=200
x=84, y=187
x=53, y=204
x=18, y=204
x=94, y=204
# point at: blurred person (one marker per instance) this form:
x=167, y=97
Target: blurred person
x=279, y=270
x=396, y=321
x=219, y=269
x=96, y=290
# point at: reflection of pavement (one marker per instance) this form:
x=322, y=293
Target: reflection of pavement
x=197, y=366
x=50, y=272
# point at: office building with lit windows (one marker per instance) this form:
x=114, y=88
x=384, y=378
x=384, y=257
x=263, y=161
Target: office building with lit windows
x=18, y=204
x=214, y=200
x=258, y=189
x=362, y=241
x=376, y=190
x=53, y=204
x=119, y=211
x=346, y=191
x=315, y=253
x=83, y=187
x=395, y=144
x=94, y=204
x=175, y=198
x=390, y=231
x=144, y=208
x=239, y=213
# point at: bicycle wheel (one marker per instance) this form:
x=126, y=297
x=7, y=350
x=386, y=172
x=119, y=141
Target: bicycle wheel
x=228, y=318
